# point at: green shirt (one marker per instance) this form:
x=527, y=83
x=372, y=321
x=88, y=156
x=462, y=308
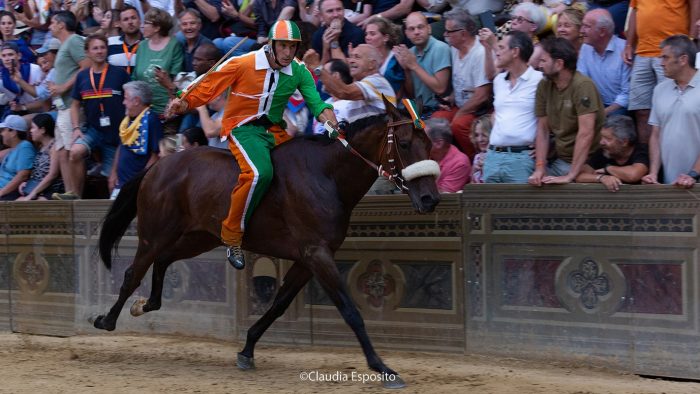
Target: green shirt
x=562, y=109
x=67, y=63
x=169, y=59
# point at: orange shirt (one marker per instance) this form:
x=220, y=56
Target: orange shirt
x=657, y=20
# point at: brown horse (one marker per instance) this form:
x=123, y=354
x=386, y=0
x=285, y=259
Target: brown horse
x=304, y=217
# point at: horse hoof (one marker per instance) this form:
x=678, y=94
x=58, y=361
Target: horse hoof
x=245, y=363
x=137, y=307
x=393, y=382
x=101, y=324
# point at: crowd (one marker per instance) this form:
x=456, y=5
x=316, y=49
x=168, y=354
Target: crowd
x=538, y=92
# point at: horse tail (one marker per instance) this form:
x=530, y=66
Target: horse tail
x=120, y=215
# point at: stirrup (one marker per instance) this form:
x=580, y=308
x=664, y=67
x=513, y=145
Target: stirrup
x=235, y=257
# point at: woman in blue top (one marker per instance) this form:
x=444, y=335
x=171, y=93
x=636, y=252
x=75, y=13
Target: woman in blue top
x=8, y=22
x=17, y=164
x=383, y=35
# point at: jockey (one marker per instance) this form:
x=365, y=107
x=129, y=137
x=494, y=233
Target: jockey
x=260, y=83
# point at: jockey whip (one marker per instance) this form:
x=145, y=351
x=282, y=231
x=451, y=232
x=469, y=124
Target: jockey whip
x=199, y=80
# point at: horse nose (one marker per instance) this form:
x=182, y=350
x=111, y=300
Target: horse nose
x=429, y=202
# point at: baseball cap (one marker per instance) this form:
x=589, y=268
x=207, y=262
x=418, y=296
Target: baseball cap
x=14, y=122
x=51, y=45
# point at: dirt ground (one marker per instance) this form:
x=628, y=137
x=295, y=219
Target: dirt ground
x=166, y=364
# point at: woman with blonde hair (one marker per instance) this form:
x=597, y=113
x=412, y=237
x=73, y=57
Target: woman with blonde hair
x=384, y=35
x=569, y=26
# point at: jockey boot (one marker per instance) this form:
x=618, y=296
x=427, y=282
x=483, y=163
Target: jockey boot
x=234, y=254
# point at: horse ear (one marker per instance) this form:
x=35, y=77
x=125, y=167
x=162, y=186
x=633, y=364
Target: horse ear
x=390, y=108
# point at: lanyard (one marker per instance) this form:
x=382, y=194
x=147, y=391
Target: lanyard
x=129, y=55
x=98, y=90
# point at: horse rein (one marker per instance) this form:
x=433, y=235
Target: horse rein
x=394, y=176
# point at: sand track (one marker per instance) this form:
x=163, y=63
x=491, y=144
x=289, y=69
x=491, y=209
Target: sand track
x=169, y=364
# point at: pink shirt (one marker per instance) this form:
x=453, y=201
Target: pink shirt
x=455, y=171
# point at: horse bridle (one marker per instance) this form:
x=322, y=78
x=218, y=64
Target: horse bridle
x=398, y=177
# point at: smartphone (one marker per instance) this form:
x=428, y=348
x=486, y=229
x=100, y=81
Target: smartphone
x=157, y=67
x=487, y=21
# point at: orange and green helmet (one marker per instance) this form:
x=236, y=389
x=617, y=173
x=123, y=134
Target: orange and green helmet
x=284, y=31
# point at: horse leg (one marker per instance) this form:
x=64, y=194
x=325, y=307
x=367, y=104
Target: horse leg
x=293, y=282
x=141, y=306
x=132, y=280
x=187, y=246
x=323, y=266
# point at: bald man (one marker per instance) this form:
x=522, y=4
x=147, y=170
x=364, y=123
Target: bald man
x=601, y=60
x=365, y=93
x=428, y=63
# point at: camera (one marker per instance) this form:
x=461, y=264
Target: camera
x=19, y=8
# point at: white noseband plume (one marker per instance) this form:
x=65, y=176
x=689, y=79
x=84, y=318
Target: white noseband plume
x=421, y=168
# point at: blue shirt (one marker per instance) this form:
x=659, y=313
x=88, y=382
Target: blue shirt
x=435, y=57
x=21, y=157
x=609, y=72
x=131, y=163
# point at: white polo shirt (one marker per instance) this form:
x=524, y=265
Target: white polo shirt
x=514, y=109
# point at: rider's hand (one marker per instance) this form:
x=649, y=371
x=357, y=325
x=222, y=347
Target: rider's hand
x=331, y=129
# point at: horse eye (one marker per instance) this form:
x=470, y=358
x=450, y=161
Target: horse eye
x=404, y=144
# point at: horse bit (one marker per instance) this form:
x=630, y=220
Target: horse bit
x=407, y=173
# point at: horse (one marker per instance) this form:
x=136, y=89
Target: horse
x=304, y=216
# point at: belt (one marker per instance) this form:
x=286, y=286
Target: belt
x=262, y=121
x=511, y=149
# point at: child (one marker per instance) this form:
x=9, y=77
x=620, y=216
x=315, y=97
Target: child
x=481, y=131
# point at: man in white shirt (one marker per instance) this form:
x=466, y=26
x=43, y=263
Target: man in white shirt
x=509, y=159
x=368, y=87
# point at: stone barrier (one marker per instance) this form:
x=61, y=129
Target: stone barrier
x=569, y=272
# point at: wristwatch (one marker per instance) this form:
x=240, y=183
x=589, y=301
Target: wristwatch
x=694, y=174
x=317, y=71
x=335, y=45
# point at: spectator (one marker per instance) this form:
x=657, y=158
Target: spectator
x=193, y=137
x=268, y=12
x=357, y=11
x=159, y=56
x=455, y=169
x=368, y=87
x=567, y=105
x=242, y=24
x=44, y=179
x=394, y=10
x=471, y=90
x=509, y=158
x=470, y=6
x=98, y=90
x=620, y=158
x=530, y=19
x=649, y=23
x=8, y=23
x=122, y=49
x=481, y=131
x=189, y=35
x=384, y=35
x=569, y=26
x=675, y=119
x=12, y=71
x=69, y=60
x=600, y=59
x=46, y=56
x=109, y=24
x=17, y=164
x=617, y=8
x=336, y=33
x=211, y=124
x=205, y=56
x=37, y=18
x=140, y=131
x=211, y=15
x=338, y=70
x=427, y=63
